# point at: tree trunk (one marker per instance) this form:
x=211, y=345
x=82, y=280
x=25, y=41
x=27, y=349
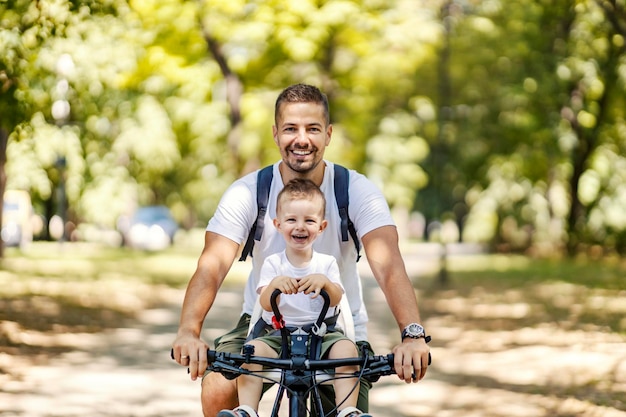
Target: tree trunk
x=587, y=144
x=234, y=91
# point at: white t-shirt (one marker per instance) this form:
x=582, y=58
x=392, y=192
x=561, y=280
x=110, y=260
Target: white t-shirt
x=298, y=309
x=368, y=210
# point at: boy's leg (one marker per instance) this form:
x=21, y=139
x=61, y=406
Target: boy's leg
x=250, y=387
x=327, y=393
x=219, y=393
x=346, y=389
x=363, y=402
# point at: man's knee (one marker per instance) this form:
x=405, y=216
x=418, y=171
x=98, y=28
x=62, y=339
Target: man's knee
x=218, y=393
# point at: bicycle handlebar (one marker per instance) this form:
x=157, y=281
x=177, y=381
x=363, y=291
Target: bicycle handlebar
x=229, y=364
x=372, y=366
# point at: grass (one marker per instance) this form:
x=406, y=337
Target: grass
x=510, y=291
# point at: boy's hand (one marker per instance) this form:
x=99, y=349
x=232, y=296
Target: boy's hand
x=285, y=284
x=313, y=284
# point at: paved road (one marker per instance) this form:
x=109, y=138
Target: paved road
x=127, y=372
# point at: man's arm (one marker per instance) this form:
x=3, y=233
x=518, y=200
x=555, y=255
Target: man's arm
x=385, y=260
x=214, y=263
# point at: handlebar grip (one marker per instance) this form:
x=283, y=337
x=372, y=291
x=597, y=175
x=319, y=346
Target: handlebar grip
x=390, y=358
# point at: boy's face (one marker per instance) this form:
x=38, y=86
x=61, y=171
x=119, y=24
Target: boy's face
x=300, y=222
x=302, y=135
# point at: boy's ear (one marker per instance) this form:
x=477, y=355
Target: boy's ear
x=323, y=225
x=276, y=223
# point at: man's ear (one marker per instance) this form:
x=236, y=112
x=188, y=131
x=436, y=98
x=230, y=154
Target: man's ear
x=329, y=134
x=275, y=134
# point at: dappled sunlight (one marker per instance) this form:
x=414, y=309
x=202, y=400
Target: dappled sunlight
x=514, y=342
x=433, y=397
x=511, y=343
x=18, y=336
x=45, y=296
x=482, y=262
x=512, y=311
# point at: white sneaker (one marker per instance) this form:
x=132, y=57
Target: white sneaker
x=241, y=411
x=352, y=412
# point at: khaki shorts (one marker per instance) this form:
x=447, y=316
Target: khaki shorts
x=233, y=341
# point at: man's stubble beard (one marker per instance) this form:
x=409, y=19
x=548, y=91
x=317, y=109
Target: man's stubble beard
x=298, y=168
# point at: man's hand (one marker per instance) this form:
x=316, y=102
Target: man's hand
x=189, y=350
x=411, y=359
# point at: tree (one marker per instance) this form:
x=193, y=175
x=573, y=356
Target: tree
x=478, y=114
x=533, y=112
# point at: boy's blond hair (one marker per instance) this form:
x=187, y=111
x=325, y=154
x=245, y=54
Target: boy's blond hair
x=300, y=188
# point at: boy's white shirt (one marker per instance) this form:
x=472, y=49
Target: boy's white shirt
x=298, y=309
x=368, y=210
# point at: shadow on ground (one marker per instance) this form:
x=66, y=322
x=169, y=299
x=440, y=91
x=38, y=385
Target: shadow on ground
x=63, y=357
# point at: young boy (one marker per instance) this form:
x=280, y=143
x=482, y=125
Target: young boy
x=300, y=274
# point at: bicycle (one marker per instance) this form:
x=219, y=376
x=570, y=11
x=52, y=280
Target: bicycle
x=299, y=365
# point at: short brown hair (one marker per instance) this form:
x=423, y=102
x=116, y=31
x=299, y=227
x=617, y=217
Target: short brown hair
x=302, y=93
x=301, y=188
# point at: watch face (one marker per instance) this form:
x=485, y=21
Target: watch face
x=414, y=330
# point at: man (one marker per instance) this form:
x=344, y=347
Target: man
x=300, y=274
x=302, y=131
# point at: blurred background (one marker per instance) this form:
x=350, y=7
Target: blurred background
x=494, y=123
x=495, y=128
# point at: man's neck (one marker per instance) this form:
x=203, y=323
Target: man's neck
x=316, y=175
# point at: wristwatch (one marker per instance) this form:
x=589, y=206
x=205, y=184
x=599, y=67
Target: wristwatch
x=413, y=331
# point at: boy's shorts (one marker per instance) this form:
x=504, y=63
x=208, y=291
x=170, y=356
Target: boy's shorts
x=274, y=341
x=233, y=341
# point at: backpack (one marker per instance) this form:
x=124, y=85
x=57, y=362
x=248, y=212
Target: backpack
x=264, y=181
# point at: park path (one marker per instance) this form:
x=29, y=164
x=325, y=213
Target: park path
x=127, y=371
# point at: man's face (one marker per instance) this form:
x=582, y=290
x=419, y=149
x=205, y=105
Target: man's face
x=302, y=135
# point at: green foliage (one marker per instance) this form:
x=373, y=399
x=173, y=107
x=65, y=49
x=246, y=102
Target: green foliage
x=530, y=110
x=506, y=117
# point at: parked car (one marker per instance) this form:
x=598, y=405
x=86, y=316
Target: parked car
x=17, y=214
x=150, y=228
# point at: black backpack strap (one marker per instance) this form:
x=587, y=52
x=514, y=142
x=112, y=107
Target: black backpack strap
x=342, y=182
x=264, y=182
